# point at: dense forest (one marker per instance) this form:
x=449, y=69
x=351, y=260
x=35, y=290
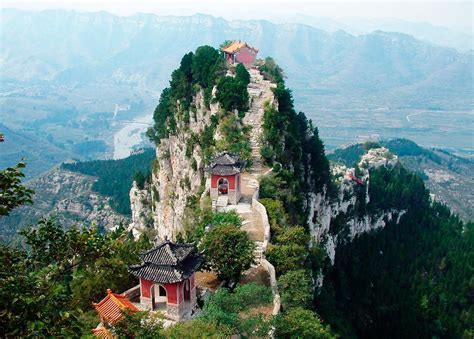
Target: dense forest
x=115, y=177
x=412, y=279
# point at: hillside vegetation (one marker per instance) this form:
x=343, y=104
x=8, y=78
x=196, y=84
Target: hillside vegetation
x=115, y=177
x=410, y=279
x=449, y=177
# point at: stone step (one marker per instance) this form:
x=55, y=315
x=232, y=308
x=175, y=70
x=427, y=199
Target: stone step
x=222, y=201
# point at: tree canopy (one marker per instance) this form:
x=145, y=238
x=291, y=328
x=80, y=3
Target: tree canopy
x=228, y=251
x=12, y=192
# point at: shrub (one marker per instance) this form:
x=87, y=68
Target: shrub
x=301, y=323
x=296, y=290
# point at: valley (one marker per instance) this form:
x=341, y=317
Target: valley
x=353, y=87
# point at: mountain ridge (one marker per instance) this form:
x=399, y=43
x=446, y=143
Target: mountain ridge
x=129, y=45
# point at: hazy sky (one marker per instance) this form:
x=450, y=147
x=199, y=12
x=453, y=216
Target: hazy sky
x=443, y=13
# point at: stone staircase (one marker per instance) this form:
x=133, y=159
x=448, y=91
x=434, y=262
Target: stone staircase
x=259, y=91
x=222, y=201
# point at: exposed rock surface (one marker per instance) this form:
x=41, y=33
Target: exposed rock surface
x=68, y=196
x=323, y=212
x=176, y=176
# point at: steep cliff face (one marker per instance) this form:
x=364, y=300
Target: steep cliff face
x=334, y=221
x=289, y=141
x=178, y=174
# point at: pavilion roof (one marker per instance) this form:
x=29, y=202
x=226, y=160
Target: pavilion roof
x=102, y=332
x=111, y=307
x=226, y=163
x=168, y=263
x=236, y=46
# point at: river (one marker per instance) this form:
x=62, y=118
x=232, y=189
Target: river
x=130, y=136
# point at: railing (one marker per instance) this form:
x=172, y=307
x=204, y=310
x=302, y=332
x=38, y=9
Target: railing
x=132, y=293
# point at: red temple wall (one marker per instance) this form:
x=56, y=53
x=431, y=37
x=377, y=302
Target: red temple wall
x=145, y=287
x=172, y=292
x=230, y=178
x=245, y=56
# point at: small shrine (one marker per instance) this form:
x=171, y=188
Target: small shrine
x=240, y=52
x=111, y=310
x=167, y=279
x=225, y=170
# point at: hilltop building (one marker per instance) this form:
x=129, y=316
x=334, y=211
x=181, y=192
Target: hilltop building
x=225, y=170
x=240, y=52
x=167, y=279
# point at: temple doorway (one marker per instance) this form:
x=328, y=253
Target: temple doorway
x=159, y=297
x=187, y=291
x=223, y=186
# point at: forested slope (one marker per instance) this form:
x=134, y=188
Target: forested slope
x=115, y=177
x=449, y=177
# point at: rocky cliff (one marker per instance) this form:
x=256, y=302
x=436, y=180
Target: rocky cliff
x=69, y=197
x=178, y=173
x=334, y=221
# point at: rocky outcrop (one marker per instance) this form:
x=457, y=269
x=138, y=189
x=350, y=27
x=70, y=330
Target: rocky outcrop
x=141, y=206
x=70, y=198
x=178, y=174
x=333, y=221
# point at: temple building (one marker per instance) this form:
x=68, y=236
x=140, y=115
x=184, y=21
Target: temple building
x=167, y=279
x=240, y=52
x=225, y=170
x=110, y=311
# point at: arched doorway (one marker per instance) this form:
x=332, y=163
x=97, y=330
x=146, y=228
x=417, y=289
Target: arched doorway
x=187, y=290
x=223, y=186
x=159, y=297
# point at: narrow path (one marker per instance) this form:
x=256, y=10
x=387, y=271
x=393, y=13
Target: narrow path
x=260, y=92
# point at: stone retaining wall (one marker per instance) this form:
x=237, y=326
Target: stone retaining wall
x=264, y=262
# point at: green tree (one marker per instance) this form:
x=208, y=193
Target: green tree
x=300, y=323
x=140, y=179
x=206, y=65
x=228, y=251
x=232, y=94
x=242, y=75
x=296, y=289
x=46, y=289
x=289, y=250
x=139, y=325
x=230, y=309
x=197, y=328
x=12, y=192
x=235, y=138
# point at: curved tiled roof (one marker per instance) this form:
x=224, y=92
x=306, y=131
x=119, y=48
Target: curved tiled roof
x=102, y=332
x=226, y=163
x=167, y=253
x=236, y=46
x=111, y=307
x=168, y=263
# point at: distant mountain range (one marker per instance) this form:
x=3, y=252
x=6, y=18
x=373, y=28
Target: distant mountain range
x=388, y=69
x=461, y=39
x=63, y=72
